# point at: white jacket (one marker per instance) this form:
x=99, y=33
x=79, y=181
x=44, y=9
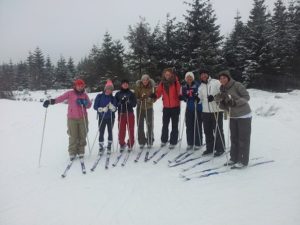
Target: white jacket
x=211, y=88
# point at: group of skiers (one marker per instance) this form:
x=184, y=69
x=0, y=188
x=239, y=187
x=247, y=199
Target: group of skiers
x=205, y=102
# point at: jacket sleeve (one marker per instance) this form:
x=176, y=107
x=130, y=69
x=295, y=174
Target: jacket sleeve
x=132, y=100
x=177, y=86
x=215, y=88
x=62, y=97
x=89, y=101
x=243, y=97
x=159, y=90
x=96, y=102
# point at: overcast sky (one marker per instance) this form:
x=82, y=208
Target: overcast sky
x=71, y=27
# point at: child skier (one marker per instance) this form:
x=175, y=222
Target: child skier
x=78, y=102
x=106, y=105
x=126, y=102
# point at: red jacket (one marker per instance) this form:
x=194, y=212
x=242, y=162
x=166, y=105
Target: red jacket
x=171, y=99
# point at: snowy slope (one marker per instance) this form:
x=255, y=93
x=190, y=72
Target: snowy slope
x=143, y=193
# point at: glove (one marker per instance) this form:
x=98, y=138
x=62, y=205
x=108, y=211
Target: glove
x=197, y=99
x=102, y=109
x=153, y=96
x=124, y=99
x=48, y=102
x=210, y=98
x=221, y=97
x=111, y=107
x=143, y=97
x=231, y=102
x=81, y=101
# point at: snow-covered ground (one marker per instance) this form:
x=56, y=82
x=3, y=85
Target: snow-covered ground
x=143, y=193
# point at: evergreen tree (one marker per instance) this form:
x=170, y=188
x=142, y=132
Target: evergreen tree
x=282, y=42
x=139, y=36
x=22, y=75
x=203, y=47
x=49, y=73
x=258, y=44
x=38, y=75
x=235, y=51
x=62, y=79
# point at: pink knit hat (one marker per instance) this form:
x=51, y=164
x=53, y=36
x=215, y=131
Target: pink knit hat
x=109, y=85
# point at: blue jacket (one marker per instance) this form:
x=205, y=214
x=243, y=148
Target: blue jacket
x=131, y=100
x=188, y=96
x=103, y=100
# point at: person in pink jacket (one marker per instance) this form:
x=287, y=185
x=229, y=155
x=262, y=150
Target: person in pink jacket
x=78, y=102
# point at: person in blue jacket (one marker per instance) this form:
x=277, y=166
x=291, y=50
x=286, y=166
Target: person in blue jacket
x=193, y=119
x=106, y=105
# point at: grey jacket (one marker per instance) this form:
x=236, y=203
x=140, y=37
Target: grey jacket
x=241, y=97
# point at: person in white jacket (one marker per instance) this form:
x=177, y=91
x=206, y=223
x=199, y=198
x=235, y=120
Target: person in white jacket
x=210, y=114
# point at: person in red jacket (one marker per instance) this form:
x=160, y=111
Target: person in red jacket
x=169, y=89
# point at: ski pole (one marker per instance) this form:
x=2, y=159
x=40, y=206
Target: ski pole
x=86, y=129
x=99, y=125
x=42, y=142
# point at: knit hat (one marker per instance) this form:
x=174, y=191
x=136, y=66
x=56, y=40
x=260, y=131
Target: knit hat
x=145, y=77
x=225, y=73
x=109, y=85
x=79, y=82
x=190, y=74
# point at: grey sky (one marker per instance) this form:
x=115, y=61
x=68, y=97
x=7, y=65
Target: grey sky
x=71, y=27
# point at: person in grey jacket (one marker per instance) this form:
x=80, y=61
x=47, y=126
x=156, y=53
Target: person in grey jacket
x=234, y=97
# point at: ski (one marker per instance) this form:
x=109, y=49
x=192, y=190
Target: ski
x=117, y=159
x=147, y=155
x=184, y=157
x=96, y=162
x=161, y=157
x=196, y=164
x=125, y=159
x=139, y=155
x=67, y=168
x=225, y=171
x=107, y=161
x=82, y=166
x=186, y=161
x=211, y=169
x=178, y=157
x=154, y=154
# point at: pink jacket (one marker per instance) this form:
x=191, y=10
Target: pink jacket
x=74, y=110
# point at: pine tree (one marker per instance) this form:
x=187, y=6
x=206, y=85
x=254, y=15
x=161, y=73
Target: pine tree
x=139, y=36
x=258, y=44
x=235, y=51
x=203, y=47
x=38, y=75
x=22, y=76
x=49, y=73
x=282, y=42
x=62, y=80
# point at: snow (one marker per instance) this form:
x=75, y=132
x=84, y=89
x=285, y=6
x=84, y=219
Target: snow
x=143, y=193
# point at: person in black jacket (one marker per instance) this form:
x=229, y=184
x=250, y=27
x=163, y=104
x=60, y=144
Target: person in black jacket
x=126, y=101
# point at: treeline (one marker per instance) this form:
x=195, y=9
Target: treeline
x=262, y=53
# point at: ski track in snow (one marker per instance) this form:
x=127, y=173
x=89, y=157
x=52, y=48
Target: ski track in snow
x=142, y=193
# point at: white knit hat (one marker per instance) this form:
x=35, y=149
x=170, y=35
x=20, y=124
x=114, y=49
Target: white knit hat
x=189, y=74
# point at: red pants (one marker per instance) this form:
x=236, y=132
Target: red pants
x=126, y=124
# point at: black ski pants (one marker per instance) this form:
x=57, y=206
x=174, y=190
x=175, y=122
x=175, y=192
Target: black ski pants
x=209, y=124
x=193, y=127
x=170, y=114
